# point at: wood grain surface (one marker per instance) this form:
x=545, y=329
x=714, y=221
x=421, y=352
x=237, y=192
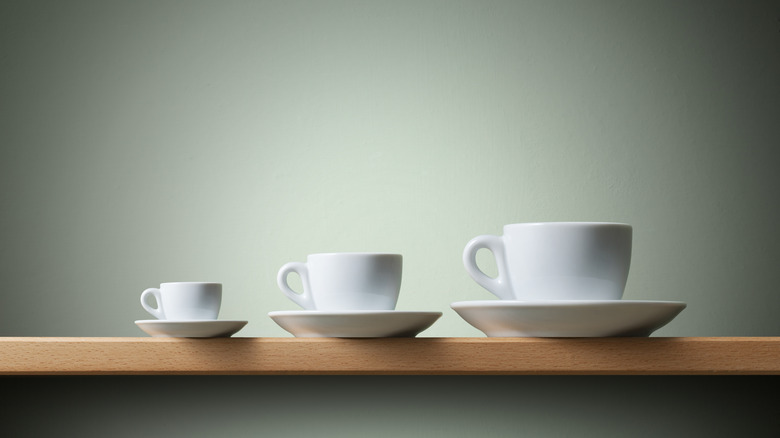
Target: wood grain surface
x=486, y=356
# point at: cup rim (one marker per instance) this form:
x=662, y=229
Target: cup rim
x=568, y=224
x=375, y=254
x=204, y=283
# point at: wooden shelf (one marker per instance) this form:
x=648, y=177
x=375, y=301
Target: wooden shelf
x=147, y=356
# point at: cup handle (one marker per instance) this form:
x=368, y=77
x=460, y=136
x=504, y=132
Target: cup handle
x=157, y=312
x=302, y=299
x=498, y=286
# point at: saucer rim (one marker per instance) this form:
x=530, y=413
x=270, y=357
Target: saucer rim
x=356, y=324
x=193, y=329
x=503, y=318
x=353, y=312
x=561, y=303
x=190, y=321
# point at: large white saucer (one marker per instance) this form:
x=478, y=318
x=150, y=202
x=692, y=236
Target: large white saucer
x=160, y=328
x=503, y=318
x=354, y=323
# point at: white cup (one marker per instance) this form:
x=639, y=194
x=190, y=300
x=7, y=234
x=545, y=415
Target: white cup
x=184, y=301
x=555, y=261
x=345, y=281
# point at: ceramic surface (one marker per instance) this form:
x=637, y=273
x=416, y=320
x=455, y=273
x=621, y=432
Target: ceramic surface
x=555, y=261
x=180, y=301
x=190, y=329
x=354, y=324
x=502, y=318
x=345, y=281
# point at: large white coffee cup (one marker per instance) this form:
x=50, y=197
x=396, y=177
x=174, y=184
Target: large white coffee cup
x=345, y=281
x=555, y=261
x=184, y=301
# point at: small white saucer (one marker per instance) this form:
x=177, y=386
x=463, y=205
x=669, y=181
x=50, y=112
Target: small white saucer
x=160, y=328
x=354, y=323
x=500, y=318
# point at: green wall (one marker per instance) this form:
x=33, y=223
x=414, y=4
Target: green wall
x=152, y=141
x=145, y=142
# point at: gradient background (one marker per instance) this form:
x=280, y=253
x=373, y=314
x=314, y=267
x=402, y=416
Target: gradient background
x=152, y=141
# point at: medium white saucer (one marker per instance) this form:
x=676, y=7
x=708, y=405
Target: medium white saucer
x=160, y=328
x=354, y=323
x=503, y=318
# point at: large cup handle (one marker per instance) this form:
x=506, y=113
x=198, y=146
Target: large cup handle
x=302, y=299
x=498, y=286
x=157, y=312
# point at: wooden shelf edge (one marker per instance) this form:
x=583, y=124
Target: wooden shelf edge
x=390, y=356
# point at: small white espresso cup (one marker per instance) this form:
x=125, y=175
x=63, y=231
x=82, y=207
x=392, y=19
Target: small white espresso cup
x=555, y=261
x=345, y=281
x=184, y=301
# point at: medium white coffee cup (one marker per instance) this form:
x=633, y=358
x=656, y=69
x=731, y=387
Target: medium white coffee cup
x=184, y=301
x=555, y=261
x=345, y=281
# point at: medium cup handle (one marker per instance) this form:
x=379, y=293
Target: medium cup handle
x=498, y=286
x=302, y=299
x=157, y=312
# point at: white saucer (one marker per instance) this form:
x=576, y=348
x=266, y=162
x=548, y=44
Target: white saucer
x=498, y=318
x=159, y=328
x=354, y=323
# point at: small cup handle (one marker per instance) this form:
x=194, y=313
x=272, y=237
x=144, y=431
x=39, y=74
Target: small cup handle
x=157, y=312
x=498, y=286
x=302, y=299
